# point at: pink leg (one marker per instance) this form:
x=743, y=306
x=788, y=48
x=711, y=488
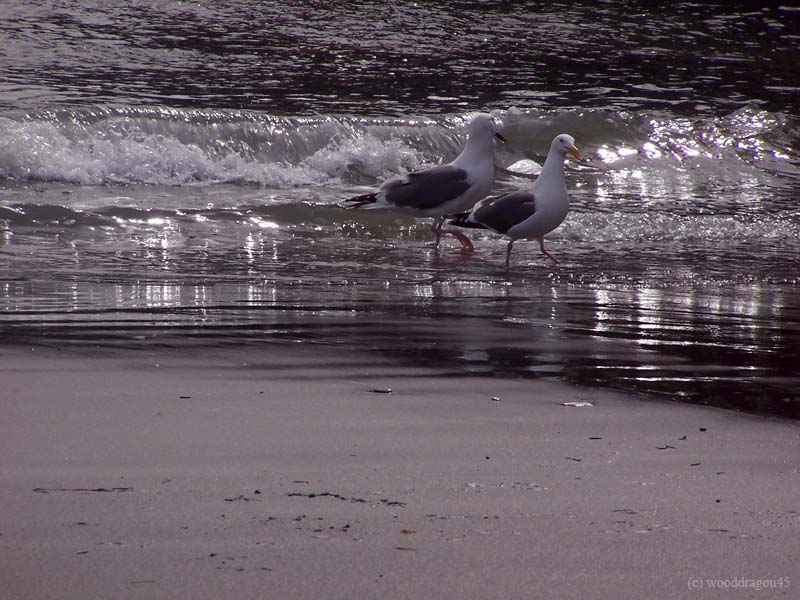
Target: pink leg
x=466, y=243
x=508, y=253
x=545, y=252
x=437, y=230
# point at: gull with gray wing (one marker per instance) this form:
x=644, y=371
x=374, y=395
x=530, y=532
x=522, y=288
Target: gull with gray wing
x=528, y=214
x=445, y=189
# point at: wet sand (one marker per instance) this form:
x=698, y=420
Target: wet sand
x=288, y=471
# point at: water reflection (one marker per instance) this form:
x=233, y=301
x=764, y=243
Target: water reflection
x=731, y=347
x=693, y=300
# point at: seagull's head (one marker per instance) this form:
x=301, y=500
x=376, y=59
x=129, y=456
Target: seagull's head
x=485, y=126
x=565, y=144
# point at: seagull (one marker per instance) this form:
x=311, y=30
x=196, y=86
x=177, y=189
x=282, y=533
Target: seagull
x=446, y=189
x=528, y=214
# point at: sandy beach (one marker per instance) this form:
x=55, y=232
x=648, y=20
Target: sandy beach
x=290, y=471
x=221, y=380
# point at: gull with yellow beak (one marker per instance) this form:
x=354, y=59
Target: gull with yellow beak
x=528, y=214
x=444, y=189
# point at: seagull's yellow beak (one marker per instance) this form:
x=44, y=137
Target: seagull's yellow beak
x=574, y=151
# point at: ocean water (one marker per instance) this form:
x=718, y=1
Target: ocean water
x=173, y=173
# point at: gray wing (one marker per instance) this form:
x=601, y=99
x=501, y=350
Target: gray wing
x=426, y=189
x=503, y=212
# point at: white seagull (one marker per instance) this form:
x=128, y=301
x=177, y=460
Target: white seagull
x=528, y=214
x=445, y=189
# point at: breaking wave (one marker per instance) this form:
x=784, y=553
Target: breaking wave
x=643, y=176
x=164, y=146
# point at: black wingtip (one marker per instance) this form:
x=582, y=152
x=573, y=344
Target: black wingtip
x=462, y=220
x=363, y=200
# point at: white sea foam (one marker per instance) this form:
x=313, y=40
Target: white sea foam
x=126, y=150
x=640, y=155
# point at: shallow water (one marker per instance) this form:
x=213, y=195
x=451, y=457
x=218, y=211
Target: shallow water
x=175, y=174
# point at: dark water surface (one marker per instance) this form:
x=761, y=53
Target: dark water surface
x=381, y=58
x=172, y=172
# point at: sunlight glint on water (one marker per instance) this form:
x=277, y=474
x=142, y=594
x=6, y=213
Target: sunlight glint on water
x=144, y=200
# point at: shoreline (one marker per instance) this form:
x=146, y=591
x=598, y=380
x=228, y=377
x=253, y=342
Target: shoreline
x=289, y=471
